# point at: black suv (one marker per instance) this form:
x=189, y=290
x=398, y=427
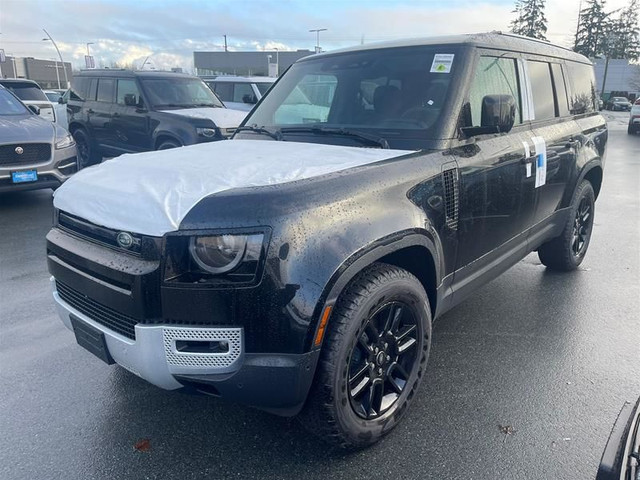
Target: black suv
x=120, y=111
x=298, y=267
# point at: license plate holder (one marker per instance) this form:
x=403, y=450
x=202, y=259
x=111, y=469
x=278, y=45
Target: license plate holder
x=24, y=176
x=91, y=339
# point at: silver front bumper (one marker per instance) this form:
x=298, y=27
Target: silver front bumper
x=153, y=355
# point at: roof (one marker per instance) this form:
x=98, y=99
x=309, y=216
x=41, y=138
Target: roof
x=498, y=40
x=121, y=72
x=235, y=78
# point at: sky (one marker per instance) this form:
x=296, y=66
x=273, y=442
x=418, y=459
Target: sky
x=165, y=33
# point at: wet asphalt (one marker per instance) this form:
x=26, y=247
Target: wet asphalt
x=525, y=380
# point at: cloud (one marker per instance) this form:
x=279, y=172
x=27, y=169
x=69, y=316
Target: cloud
x=169, y=31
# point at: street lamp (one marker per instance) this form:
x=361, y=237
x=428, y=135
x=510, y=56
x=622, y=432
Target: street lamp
x=277, y=62
x=64, y=70
x=88, y=53
x=318, y=30
x=55, y=62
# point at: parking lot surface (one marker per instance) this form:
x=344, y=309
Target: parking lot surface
x=525, y=381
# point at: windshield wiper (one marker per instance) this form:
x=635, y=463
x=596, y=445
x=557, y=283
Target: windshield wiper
x=179, y=105
x=275, y=134
x=207, y=105
x=344, y=132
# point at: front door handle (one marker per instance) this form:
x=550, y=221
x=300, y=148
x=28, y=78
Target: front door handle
x=90, y=111
x=116, y=114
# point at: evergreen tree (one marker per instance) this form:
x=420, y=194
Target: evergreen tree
x=591, y=38
x=530, y=20
x=624, y=37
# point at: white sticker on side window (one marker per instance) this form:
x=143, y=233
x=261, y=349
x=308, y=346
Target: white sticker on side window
x=442, y=63
x=540, y=147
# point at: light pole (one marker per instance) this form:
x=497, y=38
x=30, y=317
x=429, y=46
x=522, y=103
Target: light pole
x=57, y=73
x=88, y=53
x=318, y=30
x=64, y=70
x=277, y=62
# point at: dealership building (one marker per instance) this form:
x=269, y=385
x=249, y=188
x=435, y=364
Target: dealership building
x=48, y=73
x=623, y=78
x=262, y=63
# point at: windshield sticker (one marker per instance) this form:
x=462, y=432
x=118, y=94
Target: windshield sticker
x=442, y=63
x=541, y=160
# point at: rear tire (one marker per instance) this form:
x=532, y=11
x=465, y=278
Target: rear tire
x=566, y=252
x=86, y=151
x=373, y=359
x=167, y=144
x=631, y=130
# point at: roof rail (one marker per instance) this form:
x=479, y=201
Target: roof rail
x=537, y=40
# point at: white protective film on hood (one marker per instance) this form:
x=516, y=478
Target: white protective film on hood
x=151, y=193
x=222, y=117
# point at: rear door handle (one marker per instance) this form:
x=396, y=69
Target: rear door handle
x=116, y=114
x=90, y=111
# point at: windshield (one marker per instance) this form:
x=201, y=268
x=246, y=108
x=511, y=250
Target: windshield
x=26, y=91
x=263, y=87
x=393, y=93
x=53, y=96
x=179, y=93
x=10, y=105
x=619, y=99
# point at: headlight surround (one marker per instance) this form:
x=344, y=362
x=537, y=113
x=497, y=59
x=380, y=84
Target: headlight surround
x=216, y=259
x=206, y=132
x=65, y=142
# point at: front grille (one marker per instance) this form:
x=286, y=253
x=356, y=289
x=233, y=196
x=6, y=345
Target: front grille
x=450, y=181
x=97, y=234
x=31, y=153
x=108, y=317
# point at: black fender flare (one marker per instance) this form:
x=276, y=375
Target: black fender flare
x=590, y=166
x=164, y=133
x=364, y=257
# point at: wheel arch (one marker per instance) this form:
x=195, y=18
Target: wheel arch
x=400, y=250
x=594, y=174
x=164, y=136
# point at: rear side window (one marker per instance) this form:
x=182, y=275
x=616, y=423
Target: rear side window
x=105, y=90
x=583, y=92
x=561, y=89
x=79, y=88
x=542, y=90
x=494, y=76
x=93, y=88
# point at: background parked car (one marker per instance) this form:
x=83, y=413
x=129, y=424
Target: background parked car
x=30, y=93
x=634, y=118
x=123, y=111
x=618, y=103
x=239, y=93
x=59, y=105
x=34, y=152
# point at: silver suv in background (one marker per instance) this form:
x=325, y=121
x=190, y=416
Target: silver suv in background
x=34, y=152
x=239, y=93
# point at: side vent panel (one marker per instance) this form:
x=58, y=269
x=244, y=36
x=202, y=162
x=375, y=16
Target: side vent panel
x=451, y=196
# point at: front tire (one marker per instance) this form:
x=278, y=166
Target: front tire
x=167, y=144
x=86, y=150
x=373, y=358
x=566, y=252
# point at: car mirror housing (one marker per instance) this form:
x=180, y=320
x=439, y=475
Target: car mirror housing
x=498, y=111
x=35, y=109
x=130, y=100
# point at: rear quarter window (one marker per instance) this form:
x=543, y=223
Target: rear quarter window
x=583, y=92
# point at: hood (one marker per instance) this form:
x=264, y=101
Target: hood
x=25, y=128
x=150, y=193
x=222, y=117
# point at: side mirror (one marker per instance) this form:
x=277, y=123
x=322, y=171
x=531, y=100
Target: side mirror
x=62, y=101
x=130, y=100
x=34, y=108
x=498, y=111
x=248, y=98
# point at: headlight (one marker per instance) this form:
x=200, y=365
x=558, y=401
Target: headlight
x=219, y=254
x=216, y=259
x=65, y=142
x=206, y=132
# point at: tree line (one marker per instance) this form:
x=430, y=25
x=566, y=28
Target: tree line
x=614, y=33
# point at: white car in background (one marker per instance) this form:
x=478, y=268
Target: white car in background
x=59, y=105
x=239, y=93
x=634, y=118
x=30, y=93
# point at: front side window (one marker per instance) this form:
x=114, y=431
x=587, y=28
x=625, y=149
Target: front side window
x=494, y=76
x=263, y=87
x=396, y=93
x=224, y=90
x=542, y=90
x=79, y=88
x=242, y=92
x=179, y=92
x=127, y=93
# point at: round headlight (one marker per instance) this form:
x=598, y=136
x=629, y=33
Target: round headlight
x=218, y=254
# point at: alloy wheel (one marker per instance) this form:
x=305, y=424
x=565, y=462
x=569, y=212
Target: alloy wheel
x=581, y=227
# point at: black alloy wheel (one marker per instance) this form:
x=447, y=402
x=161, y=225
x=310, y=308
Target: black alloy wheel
x=84, y=149
x=381, y=360
x=167, y=144
x=582, y=227
x=567, y=251
x=373, y=358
